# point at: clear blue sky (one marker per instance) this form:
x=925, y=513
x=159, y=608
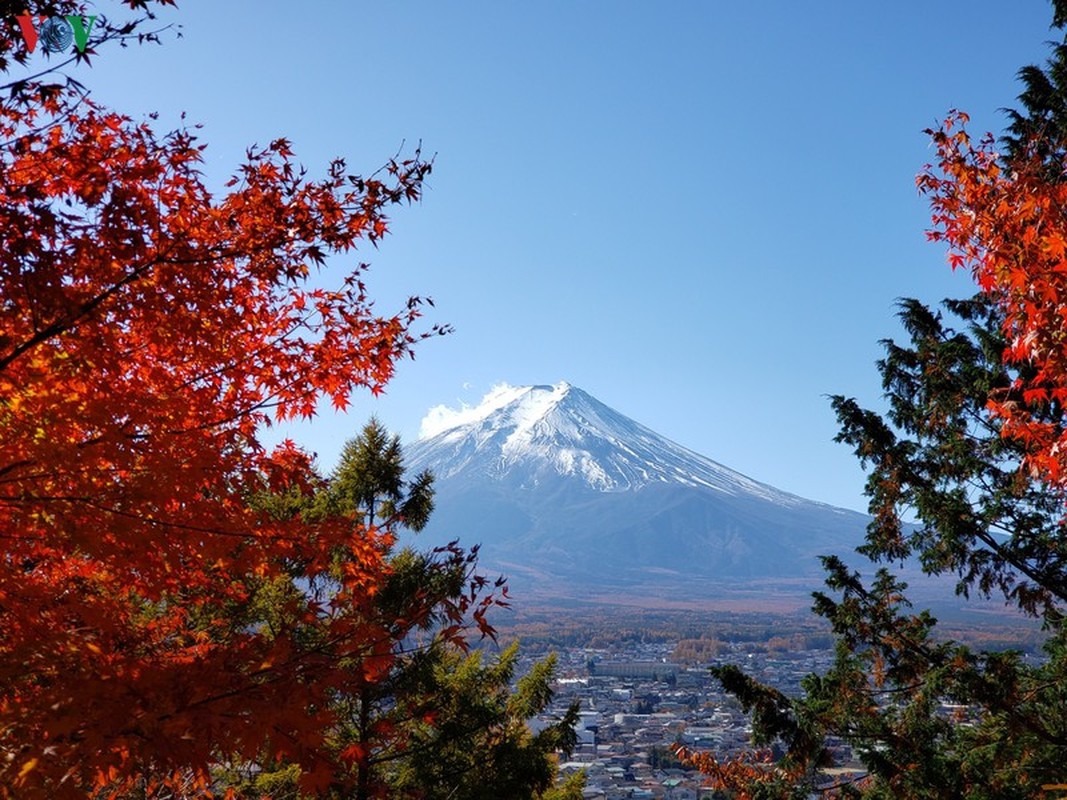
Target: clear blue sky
x=699, y=212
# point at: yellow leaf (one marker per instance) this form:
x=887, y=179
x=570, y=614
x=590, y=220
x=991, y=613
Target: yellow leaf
x=28, y=767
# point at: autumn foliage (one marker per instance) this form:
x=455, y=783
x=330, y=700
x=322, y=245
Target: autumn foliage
x=738, y=774
x=149, y=329
x=1009, y=227
x=967, y=472
x=968, y=478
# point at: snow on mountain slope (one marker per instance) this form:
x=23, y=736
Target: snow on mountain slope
x=574, y=501
x=534, y=433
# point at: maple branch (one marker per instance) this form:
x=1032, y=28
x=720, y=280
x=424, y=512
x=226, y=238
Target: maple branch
x=176, y=525
x=52, y=123
x=16, y=464
x=62, y=326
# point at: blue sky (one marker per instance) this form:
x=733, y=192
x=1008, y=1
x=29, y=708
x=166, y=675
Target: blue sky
x=699, y=212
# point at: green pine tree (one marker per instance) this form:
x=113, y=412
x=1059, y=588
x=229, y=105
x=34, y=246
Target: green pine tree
x=478, y=746
x=929, y=717
x=439, y=723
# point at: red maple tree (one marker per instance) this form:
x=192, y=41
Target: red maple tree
x=148, y=331
x=1009, y=227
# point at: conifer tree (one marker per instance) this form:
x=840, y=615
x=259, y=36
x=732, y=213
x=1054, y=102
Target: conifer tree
x=423, y=718
x=929, y=717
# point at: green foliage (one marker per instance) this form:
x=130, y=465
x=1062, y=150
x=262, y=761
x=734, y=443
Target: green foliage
x=438, y=722
x=368, y=483
x=1042, y=122
x=570, y=789
x=931, y=718
x=939, y=456
x=926, y=716
x=476, y=744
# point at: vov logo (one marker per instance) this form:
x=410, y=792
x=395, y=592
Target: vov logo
x=56, y=33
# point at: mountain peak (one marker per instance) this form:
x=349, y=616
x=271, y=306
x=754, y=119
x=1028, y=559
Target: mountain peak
x=568, y=494
x=534, y=399
x=530, y=436
x=560, y=387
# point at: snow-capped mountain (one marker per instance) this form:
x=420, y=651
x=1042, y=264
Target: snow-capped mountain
x=560, y=489
x=537, y=432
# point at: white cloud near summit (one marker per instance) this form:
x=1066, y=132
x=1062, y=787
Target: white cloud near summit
x=442, y=418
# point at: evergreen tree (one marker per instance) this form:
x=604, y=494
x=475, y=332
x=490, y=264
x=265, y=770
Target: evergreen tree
x=1042, y=120
x=420, y=718
x=477, y=745
x=928, y=717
